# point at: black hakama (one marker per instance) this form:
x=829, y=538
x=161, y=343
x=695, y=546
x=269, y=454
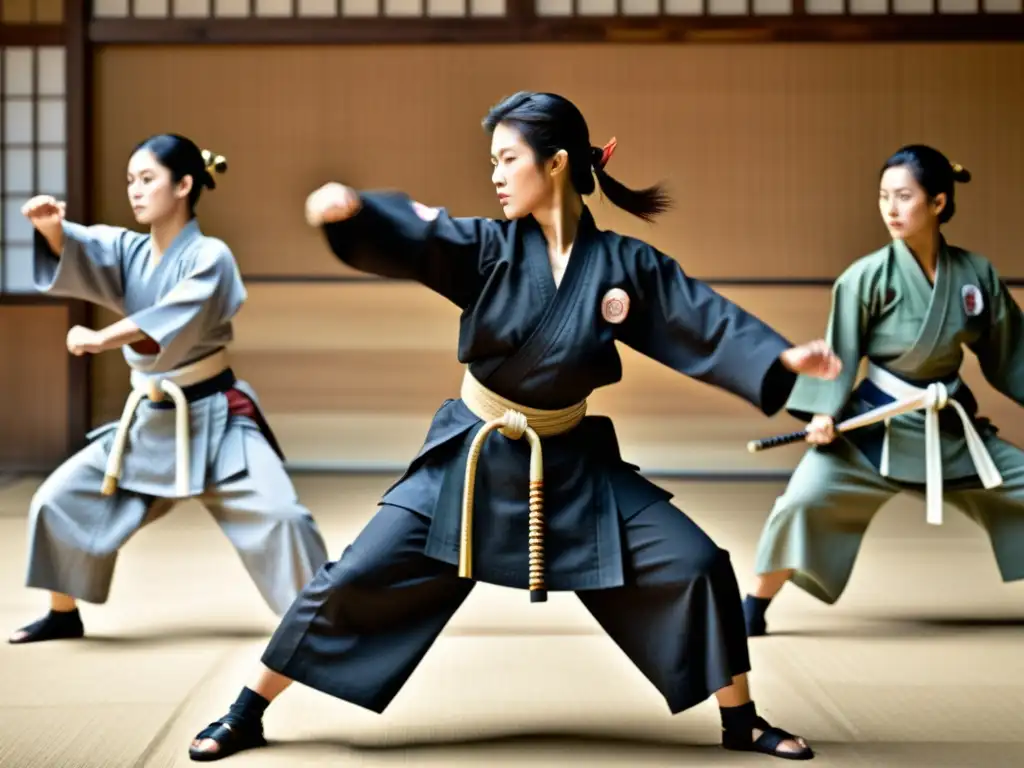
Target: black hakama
x=654, y=581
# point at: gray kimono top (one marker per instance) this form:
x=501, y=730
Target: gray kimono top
x=184, y=303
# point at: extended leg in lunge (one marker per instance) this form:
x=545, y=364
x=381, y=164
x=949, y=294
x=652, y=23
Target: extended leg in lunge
x=365, y=622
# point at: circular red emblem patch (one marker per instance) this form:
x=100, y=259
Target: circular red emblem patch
x=615, y=305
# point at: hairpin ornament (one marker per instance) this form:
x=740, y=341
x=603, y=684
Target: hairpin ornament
x=214, y=162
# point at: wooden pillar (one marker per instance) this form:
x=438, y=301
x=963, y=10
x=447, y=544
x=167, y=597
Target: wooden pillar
x=78, y=61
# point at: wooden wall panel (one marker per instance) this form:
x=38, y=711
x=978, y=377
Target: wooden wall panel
x=34, y=386
x=772, y=151
x=353, y=372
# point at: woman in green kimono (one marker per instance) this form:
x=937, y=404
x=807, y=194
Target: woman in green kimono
x=908, y=308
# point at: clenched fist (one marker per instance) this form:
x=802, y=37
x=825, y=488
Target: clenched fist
x=82, y=340
x=44, y=210
x=332, y=202
x=821, y=430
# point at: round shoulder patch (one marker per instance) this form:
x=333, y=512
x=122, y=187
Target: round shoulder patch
x=974, y=302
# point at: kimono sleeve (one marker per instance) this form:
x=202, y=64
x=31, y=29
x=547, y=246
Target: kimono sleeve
x=90, y=267
x=209, y=295
x=845, y=333
x=1000, y=349
x=683, y=323
x=394, y=236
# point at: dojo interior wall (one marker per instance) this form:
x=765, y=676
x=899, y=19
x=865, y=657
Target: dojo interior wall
x=771, y=152
x=34, y=383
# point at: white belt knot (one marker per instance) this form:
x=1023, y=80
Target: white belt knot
x=936, y=398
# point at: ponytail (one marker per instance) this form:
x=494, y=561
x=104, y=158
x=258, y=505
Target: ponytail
x=645, y=204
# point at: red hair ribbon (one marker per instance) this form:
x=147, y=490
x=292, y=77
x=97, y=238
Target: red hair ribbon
x=607, y=151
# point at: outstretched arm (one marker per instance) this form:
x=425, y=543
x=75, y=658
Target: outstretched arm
x=76, y=261
x=388, y=234
x=684, y=324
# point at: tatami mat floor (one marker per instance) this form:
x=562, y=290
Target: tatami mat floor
x=920, y=664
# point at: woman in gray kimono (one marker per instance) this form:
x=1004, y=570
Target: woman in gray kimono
x=189, y=428
x=909, y=308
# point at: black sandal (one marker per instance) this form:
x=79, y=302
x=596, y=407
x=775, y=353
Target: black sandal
x=56, y=625
x=229, y=740
x=738, y=726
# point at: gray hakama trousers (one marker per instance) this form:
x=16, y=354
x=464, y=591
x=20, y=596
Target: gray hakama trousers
x=75, y=532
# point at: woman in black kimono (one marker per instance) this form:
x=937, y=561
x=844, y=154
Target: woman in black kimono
x=538, y=333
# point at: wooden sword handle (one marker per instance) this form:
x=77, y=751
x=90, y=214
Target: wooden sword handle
x=923, y=400
x=774, y=442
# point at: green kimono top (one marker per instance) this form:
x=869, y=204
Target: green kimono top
x=885, y=309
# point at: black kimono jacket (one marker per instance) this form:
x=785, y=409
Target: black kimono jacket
x=549, y=347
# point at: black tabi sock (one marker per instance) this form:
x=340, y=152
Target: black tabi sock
x=739, y=719
x=55, y=625
x=70, y=617
x=248, y=708
x=64, y=622
x=754, y=609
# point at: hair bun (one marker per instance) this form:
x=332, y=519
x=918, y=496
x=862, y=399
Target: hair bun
x=960, y=174
x=214, y=163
